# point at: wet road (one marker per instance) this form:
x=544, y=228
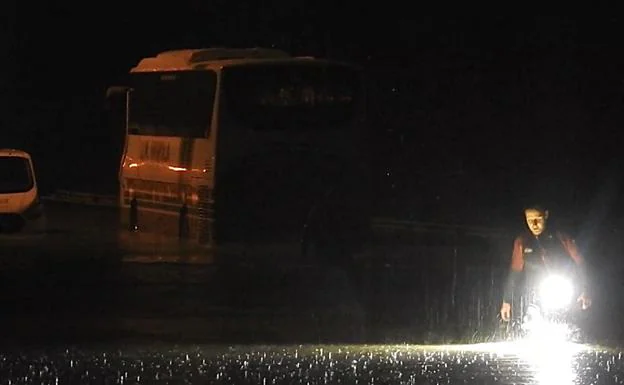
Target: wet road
x=74, y=310
x=501, y=363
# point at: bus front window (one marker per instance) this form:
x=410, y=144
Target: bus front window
x=175, y=104
x=291, y=96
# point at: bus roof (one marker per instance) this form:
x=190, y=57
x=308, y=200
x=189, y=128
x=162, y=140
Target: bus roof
x=213, y=58
x=14, y=152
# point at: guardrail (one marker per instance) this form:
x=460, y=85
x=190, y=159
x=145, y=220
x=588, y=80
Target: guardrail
x=428, y=227
x=384, y=224
x=82, y=198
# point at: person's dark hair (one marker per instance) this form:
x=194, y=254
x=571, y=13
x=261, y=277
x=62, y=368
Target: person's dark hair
x=539, y=208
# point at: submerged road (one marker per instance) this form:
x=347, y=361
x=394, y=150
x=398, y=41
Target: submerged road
x=76, y=307
x=78, y=282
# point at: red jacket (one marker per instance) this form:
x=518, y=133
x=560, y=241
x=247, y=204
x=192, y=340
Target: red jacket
x=518, y=261
x=517, y=256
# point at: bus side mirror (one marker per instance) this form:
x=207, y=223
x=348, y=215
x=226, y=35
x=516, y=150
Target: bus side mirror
x=115, y=92
x=116, y=105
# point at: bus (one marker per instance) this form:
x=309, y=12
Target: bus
x=245, y=148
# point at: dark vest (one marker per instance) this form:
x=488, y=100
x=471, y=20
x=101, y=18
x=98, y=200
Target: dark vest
x=545, y=253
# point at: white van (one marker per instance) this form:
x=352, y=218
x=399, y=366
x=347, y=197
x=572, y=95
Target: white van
x=20, y=207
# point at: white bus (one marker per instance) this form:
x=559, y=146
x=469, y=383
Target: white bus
x=20, y=207
x=245, y=147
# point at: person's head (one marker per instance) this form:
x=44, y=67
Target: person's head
x=536, y=219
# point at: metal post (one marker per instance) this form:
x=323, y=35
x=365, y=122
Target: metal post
x=183, y=224
x=134, y=214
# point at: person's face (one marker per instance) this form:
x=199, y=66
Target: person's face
x=536, y=220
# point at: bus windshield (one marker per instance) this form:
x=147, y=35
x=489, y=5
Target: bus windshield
x=172, y=104
x=291, y=96
x=15, y=175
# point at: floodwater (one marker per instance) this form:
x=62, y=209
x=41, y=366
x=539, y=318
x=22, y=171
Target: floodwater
x=74, y=310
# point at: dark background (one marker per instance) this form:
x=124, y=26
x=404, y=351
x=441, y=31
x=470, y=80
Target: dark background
x=473, y=117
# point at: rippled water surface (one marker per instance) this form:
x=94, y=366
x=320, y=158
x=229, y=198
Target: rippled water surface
x=500, y=363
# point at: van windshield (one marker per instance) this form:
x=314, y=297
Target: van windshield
x=15, y=175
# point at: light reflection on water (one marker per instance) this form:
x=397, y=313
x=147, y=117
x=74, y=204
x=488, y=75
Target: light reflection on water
x=500, y=363
x=554, y=366
x=546, y=361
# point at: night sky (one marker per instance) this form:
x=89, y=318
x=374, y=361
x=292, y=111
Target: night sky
x=474, y=117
